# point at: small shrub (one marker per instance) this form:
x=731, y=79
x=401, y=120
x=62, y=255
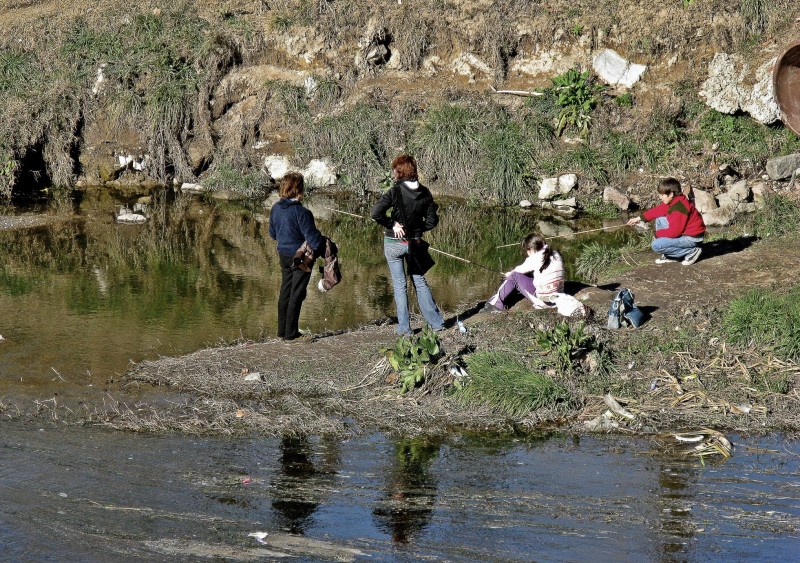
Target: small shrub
x=780, y=216
x=596, y=207
x=224, y=177
x=625, y=100
x=577, y=97
x=410, y=357
x=594, y=260
x=508, y=386
x=765, y=319
x=565, y=343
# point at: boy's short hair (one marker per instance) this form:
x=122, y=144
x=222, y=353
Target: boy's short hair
x=669, y=186
x=406, y=167
x=291, y=185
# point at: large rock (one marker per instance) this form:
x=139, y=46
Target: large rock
x=783, y=166
x=704, y=201
x=612, y=195
x=739, y=192
x=726, y=88
x=551, y=187
x=719, y=217
x=614, y=69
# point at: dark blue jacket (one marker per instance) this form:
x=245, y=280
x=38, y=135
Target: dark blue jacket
x=291, y=224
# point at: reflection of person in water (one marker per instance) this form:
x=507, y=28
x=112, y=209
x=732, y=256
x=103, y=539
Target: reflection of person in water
x=297, y=489
x=406, y=507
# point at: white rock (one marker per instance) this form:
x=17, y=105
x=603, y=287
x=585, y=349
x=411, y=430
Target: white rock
x=525, y=203
x=276, y=165
x=319, y=173
x=571, y=202
x=186, y=187
x=548, y=188
x=133, y=218
x=613, y=69
x=566, y=182
x=726, y=91
x=739, y=191
x=719, y=217
x=253, y=377
x=613, y=195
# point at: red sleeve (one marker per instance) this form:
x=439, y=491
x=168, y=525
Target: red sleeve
x=656, y=212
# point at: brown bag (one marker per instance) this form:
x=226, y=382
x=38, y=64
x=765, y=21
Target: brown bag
x=304, y=257
x=331, y=275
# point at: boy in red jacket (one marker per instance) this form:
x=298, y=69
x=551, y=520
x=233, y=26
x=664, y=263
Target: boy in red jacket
x=679, y=226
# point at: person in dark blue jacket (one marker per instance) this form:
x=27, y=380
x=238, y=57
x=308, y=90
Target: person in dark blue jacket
x=291, y=225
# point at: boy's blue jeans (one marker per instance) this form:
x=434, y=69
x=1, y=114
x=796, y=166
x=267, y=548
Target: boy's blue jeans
x=675, y=248
x=395, y=252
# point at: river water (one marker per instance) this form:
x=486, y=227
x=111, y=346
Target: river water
x=81, y=299
x=87, y=495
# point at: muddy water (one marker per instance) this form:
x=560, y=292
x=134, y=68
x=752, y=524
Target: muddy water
x=82, y=298
x=79, y=300
x=84, y=495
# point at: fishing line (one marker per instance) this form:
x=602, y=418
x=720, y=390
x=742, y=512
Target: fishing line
x=429, y=247
x=571, y=234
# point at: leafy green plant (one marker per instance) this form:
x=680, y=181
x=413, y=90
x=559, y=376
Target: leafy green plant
x=506, y=385
x=565, y=342
x=410, y=357
x=577, y=97
x=625, y=100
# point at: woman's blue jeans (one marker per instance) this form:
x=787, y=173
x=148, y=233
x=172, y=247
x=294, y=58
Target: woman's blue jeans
x=395, y=253
x=675, y=248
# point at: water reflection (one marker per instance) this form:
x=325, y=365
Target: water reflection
x=84, y=297
x=302, y=483
x=677, y=494
x=406, y=505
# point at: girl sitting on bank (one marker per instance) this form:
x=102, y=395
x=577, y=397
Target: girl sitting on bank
x=539, y=278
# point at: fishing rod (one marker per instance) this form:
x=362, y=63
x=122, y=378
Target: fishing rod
x=429, y=247
x=571, y=234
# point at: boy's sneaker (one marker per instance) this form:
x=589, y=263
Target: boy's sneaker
x=692, y=258
x=664, y=260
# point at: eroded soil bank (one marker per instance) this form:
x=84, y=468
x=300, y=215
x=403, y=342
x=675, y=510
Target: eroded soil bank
x=673, y=373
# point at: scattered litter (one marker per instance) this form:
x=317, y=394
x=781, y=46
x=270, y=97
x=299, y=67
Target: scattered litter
x=654, y=385
x=256, y=376
x=616, y=408
x=247, y=481
x=260, y=536
x=702, y=443
x=461, y=328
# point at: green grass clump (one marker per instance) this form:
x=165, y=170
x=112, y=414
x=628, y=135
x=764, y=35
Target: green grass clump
x=508, y=386
x=224, y=177
x=446, y=140
x=507, y=161
x=359, y=142
x=595, y=260
x=766, y=319
x=780, y=216
x=743, y=140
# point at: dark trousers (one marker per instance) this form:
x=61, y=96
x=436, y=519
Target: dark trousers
x=294, y=283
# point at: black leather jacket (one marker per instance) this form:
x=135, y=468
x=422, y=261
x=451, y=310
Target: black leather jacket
x=418, y=213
